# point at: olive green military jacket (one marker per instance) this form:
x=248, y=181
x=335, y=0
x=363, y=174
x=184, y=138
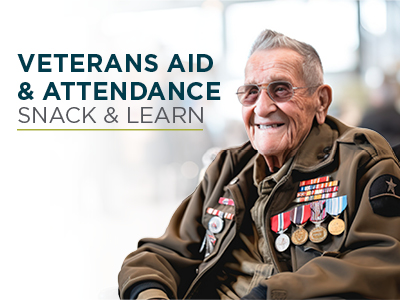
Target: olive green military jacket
x=363, y=261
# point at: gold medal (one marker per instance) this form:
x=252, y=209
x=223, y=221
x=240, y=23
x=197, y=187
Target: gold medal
x=318, y=234
x=299, y=236
x=336, y=226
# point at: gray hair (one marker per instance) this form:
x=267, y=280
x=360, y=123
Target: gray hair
x=312, y=67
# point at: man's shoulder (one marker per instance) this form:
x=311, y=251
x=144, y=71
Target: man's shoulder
x=363, y=138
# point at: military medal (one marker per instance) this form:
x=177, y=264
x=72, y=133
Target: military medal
x=219, y=213
x=216, y=224
x=208, y=243
x=280, y=224
x=334, y=207
x=318, y=213
x=299, y=216
x=226, y=201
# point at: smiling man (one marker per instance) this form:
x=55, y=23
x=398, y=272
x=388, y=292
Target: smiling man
x=308, y=208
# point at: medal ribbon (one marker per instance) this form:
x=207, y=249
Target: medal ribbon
x=299, y=215
x=314, y=181
x=226, y=201
x=319, y=191
x=318, y=186
x=219, y=213
x=318, y=212
x=280, y=222
x=316, y=197
x=335, y=206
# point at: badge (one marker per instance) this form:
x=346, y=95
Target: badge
x=216, y=224
x=299, y=216
x=208, y=243
x=226, y=201
x=219, y=213
x=318, y=214
x=384, y=196
x=334, y=207
x=279, y=224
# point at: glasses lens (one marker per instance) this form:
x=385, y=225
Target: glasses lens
x=280, y=91
x=248, y=94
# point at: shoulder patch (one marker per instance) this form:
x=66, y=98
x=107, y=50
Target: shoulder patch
x=384, y=196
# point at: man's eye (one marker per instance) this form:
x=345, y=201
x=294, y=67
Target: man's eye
x=253, y=91
x=281, y=88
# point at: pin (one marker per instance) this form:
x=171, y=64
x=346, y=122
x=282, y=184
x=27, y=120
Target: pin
x=299, y=216
x=226, y=201
x=216, y=224
x=279, y=224
x=318, y=214
x=219, y=213
x=208, y=243
x=334, y=207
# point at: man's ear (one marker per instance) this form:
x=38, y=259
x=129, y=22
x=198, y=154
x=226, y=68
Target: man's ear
x=324, y=101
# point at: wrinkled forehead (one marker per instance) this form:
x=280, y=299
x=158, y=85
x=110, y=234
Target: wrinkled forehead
x=274, y=64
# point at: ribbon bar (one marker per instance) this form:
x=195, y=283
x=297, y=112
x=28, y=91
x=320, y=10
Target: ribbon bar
x=314, y=181
x=226, y=201
x=318, y=186
x=221, y=214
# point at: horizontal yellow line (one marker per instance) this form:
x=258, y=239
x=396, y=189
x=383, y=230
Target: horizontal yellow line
x=121, y=129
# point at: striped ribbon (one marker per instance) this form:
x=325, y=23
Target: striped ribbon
x=226, y=201
x=318, y=212
x=316, y=197
x=221, y=214
x=319, y=191
x=280, y=222
x=335, y=206
x=300, y=214
x=314, y=181
x=318, y=186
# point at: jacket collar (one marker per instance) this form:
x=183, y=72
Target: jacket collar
x=318, y=150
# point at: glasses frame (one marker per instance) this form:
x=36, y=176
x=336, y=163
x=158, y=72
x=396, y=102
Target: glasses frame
x=262, y=86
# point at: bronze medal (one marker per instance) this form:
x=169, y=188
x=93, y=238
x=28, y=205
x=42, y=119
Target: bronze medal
x=336, y=226
x=299, y=236
x=318, y=234
x=334, y=207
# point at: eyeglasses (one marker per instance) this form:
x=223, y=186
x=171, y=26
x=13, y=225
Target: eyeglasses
x=278, y=91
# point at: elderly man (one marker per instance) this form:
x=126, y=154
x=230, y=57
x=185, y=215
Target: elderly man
x=309, y=208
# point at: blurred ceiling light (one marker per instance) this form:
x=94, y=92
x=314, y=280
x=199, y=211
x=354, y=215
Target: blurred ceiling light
x=213, y=4
x=373, y=16
x=374, y=77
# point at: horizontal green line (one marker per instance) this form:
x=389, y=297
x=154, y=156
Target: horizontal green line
x=136, y=129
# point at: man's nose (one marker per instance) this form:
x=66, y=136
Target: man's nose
x=265, y=105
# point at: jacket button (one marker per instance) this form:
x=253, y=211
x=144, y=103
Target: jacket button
x=234, y=180
x=197, y=270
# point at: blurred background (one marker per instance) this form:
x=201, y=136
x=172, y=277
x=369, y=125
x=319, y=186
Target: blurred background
x=75, y=204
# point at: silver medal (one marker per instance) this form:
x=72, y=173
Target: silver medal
x=216, y=224
x=282, y=242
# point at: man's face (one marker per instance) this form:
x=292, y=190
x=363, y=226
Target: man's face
x=278, y=129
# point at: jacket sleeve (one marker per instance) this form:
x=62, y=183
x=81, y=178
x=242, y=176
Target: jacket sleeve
x=172, y=259
x=369, y=263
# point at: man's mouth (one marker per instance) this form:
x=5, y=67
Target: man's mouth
x=260, y=126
